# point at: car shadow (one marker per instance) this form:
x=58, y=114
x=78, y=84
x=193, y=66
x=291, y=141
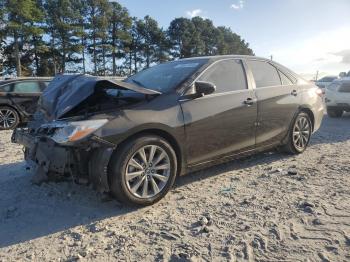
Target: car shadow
x=28, y=211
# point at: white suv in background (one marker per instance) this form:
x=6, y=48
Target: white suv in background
x=325, y=81
x=338, y=97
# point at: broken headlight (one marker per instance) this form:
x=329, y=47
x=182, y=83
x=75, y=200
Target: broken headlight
x=73, y=131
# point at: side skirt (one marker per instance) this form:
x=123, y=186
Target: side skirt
x=229, y=158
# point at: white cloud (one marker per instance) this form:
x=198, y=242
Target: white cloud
x=238, y=5
x=194, y=13
x=345, y=54
x=327, y=51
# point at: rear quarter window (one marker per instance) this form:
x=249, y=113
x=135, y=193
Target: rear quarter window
x=285, y=79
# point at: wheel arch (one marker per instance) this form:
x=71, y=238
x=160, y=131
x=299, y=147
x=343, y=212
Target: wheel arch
x=15, y=109
x=310, y=114
x=166, y=136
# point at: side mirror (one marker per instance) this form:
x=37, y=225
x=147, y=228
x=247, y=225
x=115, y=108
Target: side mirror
x=204, y=88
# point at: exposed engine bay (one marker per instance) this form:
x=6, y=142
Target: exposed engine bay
x=63, y=139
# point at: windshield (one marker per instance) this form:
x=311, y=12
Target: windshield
x=167, y=76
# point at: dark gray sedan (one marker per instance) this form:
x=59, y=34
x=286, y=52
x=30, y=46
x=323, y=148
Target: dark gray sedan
x=133, y=138
x=18, y=100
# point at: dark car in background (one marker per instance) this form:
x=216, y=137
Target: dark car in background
x=18, y=100
x=133, y=138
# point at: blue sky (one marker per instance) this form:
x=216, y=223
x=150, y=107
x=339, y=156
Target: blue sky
x=305, y=35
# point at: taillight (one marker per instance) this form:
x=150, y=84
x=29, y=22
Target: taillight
x=320, y=92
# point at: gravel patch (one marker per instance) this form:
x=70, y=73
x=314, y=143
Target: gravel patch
x=268, y=207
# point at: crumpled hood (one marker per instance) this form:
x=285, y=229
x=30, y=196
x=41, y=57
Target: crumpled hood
x=65, y=92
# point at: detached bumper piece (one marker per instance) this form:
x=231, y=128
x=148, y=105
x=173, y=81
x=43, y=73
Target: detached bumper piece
x=51, y=162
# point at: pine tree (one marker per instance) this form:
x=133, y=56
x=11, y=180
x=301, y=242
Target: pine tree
x=119, y=35
x=99, y=14
x=184, y=37
x=153, y=41
x=22, y=16
x=2, y=35
x=62, y=23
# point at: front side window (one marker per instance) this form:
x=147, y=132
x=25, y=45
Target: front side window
x=167, y=76
x=285, y=80
x=227, y=76
x=264, y=74
x=27, y=87
x=5, y=88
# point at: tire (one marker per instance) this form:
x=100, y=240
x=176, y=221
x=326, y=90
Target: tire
x=334, y=113
x=299, y=134
x=9, y=118
x=127, y=179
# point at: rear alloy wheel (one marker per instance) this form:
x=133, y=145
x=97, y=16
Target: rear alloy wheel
x=334, y=113
x=300, y=134
x=143, y=170
x=9, y=118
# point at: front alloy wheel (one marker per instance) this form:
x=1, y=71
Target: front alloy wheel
x=148, y=171
x=8, y=118
x=142, y=170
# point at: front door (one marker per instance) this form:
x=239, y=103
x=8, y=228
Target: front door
x=222, y=123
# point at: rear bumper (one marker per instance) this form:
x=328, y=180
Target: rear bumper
x=318, y=115
x=337, y=100
x=49, y=159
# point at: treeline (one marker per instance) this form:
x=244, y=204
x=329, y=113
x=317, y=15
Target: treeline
x=46, y=37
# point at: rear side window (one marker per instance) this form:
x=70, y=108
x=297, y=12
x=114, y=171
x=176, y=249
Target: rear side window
x=27, y=87
x=5, y=88
x=227, y=76
x=285, y=80
x=264, y=74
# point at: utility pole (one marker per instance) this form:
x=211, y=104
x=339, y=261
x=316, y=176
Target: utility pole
x=271, y=57
x=316, y=78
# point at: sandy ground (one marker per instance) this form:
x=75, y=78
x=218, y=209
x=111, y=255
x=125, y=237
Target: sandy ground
x=269, y=207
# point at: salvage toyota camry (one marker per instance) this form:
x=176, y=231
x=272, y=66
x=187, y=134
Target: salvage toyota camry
x=133, y=138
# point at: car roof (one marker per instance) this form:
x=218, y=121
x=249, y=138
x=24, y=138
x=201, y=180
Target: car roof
x=343, y=80
x=331, y=77
x=219, y=57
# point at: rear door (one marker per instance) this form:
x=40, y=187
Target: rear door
x=25, y=95
x=222, y=123
x=278, y=100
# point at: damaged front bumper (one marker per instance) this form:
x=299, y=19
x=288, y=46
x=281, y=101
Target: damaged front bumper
x=49, y=160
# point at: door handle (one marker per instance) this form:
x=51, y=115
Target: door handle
x=249, y=101
x=294, y=93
